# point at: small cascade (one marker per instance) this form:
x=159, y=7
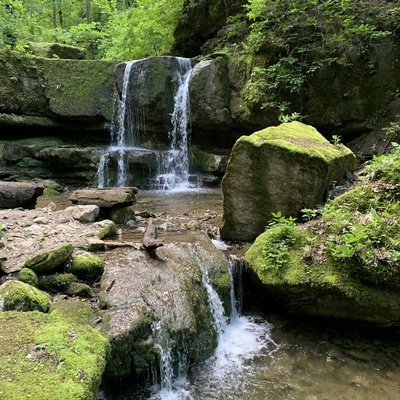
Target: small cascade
x=129, y=133
x=173, y=164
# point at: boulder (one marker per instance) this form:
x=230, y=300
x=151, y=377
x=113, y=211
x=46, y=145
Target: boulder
x=279, y=169
x=19, y=194
x=19, y=296
x=86, y=266
x=143, y=295
x=45, y=262
x=105, y=197
x=87, y=213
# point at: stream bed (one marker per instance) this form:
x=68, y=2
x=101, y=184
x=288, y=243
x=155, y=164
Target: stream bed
x=269, y=356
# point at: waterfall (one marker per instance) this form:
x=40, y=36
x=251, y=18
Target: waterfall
x=173, y=164
x=129, y=132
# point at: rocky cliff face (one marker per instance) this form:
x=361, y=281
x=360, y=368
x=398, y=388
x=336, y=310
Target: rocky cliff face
x=49, y=95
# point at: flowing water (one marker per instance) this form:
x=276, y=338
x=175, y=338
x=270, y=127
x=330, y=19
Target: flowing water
x=128, y=133
x=173, y=164
x=271, y=356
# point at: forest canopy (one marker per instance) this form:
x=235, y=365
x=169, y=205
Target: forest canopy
x=111, y=29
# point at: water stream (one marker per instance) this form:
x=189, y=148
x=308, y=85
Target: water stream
x=273, y=356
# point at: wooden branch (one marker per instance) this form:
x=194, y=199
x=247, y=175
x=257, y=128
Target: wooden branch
x=150, y=241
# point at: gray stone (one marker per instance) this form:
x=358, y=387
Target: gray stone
x=105, y=198
x=87, y=213
x=19, y=194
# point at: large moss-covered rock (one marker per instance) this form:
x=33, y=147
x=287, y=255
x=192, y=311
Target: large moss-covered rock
x=57, y=355
x=52, y=88
x=343, y=264
x=16, y=295
x=280, y=169
x=44, y=263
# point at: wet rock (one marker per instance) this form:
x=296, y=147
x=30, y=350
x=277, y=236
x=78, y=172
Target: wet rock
x=44, y=263
x=19, y=296
x=105, y=198
x=19, y=194
x=95, y=244
x=143, y=295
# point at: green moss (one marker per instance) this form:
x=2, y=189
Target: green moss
x=298, y=138
x=221, y=282
x=16, y=295
x=50, y=192
x=26, y=275
x=53, y=356
x=79, y=289
x=57, y=283
x=44, y=263
x=107, y=231
x=86, y=266
x=75, y=87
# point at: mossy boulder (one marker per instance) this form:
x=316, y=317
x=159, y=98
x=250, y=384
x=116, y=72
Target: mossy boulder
x=79, y=289
x=279, y=169
x=344, y=264
x=56, y=50
x=56, y=355
x=26, y=275
x=86, y=266
x=107, y=229
x=44, y=263
x=16, y=295
x=57, y=283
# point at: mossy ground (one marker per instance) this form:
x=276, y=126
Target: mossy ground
x=50, y=356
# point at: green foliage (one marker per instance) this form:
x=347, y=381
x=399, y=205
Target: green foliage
x=336, y=140
x=280, y=220
x=112, y=29
x=276, y=250
x=300, y=37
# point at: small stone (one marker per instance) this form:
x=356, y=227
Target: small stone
x=85, y=213
x=51, y=206
x=33, y=230
x=41, y=220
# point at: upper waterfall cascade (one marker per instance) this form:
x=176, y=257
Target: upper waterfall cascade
x=129, y=131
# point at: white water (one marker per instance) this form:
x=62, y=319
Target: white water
x=173, y=164
x=129, y=134
x=239, y=342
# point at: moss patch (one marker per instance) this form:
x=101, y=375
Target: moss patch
x=57, y=283
x=16, y=295
x=86, y=266
x=26, y=275
x=52, y=356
